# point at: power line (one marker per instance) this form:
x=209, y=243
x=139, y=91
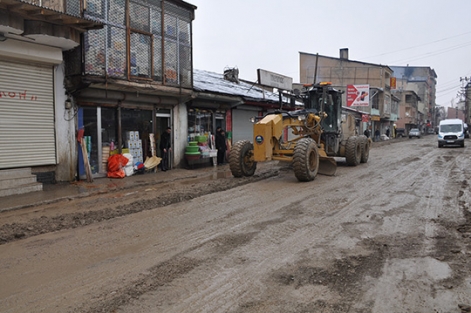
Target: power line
x=413, y=47
x=430, y=54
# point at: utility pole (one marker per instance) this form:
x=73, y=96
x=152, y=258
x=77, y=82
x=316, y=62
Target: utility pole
x=464, y=82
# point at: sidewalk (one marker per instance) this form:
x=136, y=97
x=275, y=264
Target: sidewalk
x=56, y=192
x=60, y=191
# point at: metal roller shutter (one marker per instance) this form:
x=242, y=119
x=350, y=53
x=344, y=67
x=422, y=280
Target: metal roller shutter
x=242, y=127
x=26, y=115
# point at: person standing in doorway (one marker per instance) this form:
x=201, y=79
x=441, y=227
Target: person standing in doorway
x=387, y=132
x=165, y=147
x=221, y=146
x=377, y=134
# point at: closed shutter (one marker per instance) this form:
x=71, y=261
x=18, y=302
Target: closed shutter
x=242, y=127
x=26, y=115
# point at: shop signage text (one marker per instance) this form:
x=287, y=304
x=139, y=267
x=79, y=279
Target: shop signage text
x=275, y=80
x=18, y=95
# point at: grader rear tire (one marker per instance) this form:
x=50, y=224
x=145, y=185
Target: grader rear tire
x=306, y=159
x=365, y=149
x=353, y=151
x=241, y=160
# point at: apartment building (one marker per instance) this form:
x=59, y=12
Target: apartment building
x=422, y=80
x=381, y=108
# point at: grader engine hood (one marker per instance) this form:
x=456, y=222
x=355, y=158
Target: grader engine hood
x=270, y=126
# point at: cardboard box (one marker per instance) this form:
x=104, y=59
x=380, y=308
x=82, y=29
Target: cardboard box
x=130, y=135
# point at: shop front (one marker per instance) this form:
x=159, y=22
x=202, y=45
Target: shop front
x=121, y=126
x=241, y=122
x=27, y=115
x=30, y=110
x=202, y=125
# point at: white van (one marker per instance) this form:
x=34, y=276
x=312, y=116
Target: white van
x=451, y=132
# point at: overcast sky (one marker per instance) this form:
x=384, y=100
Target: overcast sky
x=269, y=34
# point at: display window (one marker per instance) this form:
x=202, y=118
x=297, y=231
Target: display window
x=100, y=131
x=203, y=122
x=101, y=135
x=202, y=125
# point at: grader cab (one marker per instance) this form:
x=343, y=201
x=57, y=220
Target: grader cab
x=309, y=138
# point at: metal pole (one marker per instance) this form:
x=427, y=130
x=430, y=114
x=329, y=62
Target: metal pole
x=315, y=70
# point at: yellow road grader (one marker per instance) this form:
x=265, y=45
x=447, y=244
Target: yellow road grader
x=309, y=138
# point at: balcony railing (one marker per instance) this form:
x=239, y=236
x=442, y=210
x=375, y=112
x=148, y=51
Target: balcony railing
x=59, y=12
x=71, y=7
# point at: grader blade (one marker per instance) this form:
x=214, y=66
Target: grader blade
x=327, y=166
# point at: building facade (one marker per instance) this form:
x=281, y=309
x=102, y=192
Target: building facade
x=36, y=130
x=421, y=80
x=410, y=115
x=130, y=80
x=342, y=72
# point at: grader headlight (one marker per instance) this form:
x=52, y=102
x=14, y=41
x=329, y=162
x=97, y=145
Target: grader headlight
x=301, y=117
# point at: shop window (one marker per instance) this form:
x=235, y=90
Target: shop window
x=108, y=126
x=98, y=155
x=220, y=119
x=139, y=122
x=199, y=122
x=91, y=137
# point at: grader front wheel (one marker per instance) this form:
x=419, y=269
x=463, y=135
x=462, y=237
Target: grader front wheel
x=353, y=151
x=365, y=149
x=306, y=159
x=241, y=160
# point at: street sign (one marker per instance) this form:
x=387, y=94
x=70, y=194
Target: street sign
x=275, y=80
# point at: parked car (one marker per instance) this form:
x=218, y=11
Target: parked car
x=414, y=132
x=400, y=132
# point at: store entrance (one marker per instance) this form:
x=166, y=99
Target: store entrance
x=162, y=121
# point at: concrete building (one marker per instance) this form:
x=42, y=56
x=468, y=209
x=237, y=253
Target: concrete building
x=134, y=76
x=37, y=129
x=410, y=115
x=343, y=72
x=422, y=80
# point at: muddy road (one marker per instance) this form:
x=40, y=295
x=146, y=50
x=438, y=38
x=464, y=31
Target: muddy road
x=392, y=235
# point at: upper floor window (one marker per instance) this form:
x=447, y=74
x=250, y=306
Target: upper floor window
x=158, y=42
x=375, y=102
x=139, y=16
